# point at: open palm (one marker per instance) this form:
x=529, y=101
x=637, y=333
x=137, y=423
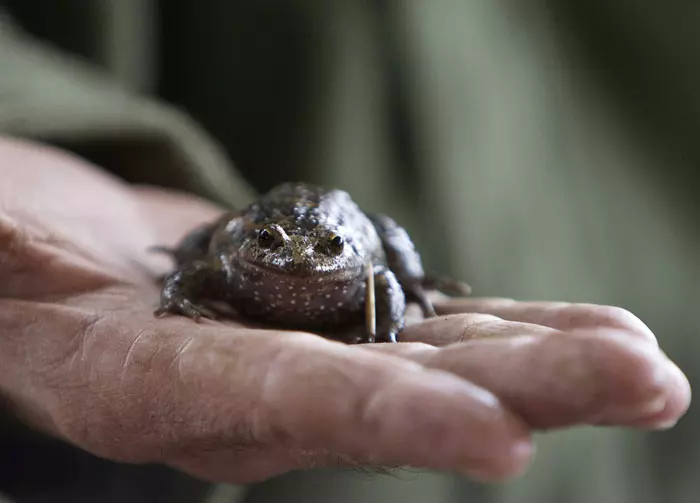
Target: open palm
x=83, y=358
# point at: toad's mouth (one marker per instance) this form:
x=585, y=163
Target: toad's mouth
x=303, y=271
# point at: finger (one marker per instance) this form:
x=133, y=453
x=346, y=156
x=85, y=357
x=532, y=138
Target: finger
x=553, y=381
x=445, y=330
x=306, y=394
x=677, y=403
x=558, y=315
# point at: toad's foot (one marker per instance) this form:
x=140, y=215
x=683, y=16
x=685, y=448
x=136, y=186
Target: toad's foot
x=185, y=307
x=183, y=291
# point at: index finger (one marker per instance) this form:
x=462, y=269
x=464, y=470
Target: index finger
x=304, y=393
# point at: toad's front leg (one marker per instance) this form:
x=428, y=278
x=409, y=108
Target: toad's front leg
x=405, y=261
x=184, y=290
x=390, y=305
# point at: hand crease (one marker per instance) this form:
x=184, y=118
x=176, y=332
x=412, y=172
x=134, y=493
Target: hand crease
x=86, y=333
x=130, y=352
x=176, y=359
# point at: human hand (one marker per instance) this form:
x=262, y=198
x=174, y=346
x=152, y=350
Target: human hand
x=83, y=358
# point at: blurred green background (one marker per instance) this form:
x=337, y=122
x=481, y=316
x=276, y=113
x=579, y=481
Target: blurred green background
x=539, y=150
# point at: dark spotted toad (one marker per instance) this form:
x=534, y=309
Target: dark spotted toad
x=303, y=258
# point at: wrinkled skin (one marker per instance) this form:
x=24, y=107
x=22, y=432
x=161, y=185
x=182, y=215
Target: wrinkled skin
x=298, y=258
x=83, y=358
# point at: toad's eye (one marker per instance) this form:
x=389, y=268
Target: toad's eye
x=265, y=238
x=272, y=236
x=335, y=244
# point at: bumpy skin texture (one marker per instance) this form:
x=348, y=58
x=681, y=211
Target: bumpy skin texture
x=298, y=258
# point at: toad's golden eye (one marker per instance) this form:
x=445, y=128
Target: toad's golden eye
x=265, y=238
x=336, y=243
x=272, y=236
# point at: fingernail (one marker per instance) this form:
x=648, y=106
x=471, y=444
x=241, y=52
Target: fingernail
x=517, y=464
x=651, y=408
x=665, y=425
x=675, y=407
x=630, y=414
x=667, y=379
